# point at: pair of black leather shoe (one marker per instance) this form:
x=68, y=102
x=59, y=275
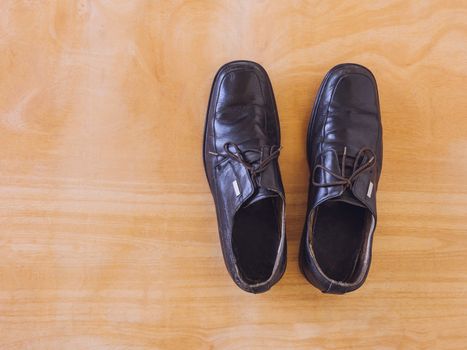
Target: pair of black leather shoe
x=344, y=147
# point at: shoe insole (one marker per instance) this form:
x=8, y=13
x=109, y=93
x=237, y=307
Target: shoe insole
x=337, y=238
x=255, y=239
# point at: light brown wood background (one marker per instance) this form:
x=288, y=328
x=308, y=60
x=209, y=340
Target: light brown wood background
x=108, y=234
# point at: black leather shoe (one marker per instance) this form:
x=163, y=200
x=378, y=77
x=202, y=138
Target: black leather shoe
x=241, y=147
x=344, y=147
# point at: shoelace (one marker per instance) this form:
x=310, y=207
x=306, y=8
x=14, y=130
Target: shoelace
x=238, y=156
x=357, y=169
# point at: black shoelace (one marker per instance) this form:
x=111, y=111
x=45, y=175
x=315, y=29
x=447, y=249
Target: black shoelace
x=359, y=167
x=238, y=155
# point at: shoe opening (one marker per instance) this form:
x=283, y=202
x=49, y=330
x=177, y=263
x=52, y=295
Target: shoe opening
x=256, y=237
x=339, y=239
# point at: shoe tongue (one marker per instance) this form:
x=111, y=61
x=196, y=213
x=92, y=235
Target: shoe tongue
x=260, y=194
x=348, y=197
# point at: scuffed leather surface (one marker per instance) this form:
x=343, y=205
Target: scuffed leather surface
x=241, y=110
x=346, y=114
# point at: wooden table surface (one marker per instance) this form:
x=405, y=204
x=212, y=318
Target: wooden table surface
x=108, y=231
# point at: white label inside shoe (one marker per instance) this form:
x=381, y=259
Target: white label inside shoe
x=236, y=189
x=370, y=190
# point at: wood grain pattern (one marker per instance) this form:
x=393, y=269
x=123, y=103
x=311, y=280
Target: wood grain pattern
x=109, y=237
